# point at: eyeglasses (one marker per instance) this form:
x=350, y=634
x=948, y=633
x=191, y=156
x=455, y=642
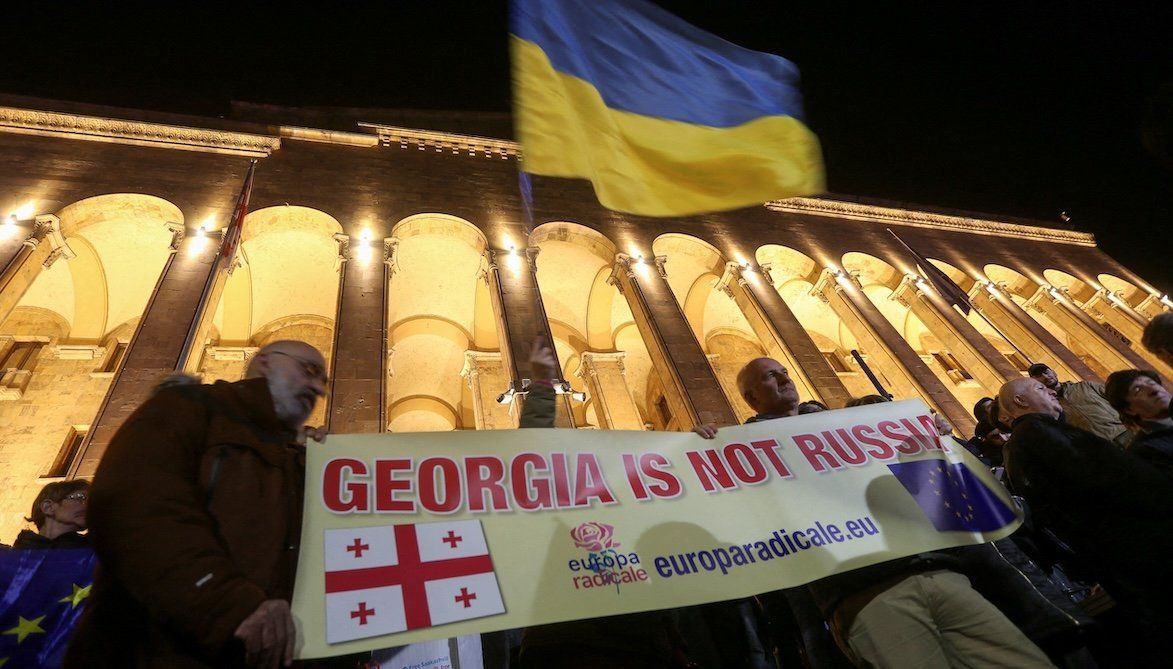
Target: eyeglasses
x=77, y=496
x=311, y=369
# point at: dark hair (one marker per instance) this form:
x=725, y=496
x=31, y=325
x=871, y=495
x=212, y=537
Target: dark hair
x=866, y=399
x=54, y=492
x=1036, y=369
x=1158, y=334
x=996, y=416
x=1116, y=390
x=811, y=406
x=980, y=410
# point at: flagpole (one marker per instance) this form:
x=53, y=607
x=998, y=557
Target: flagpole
x=190, y=343
x=970, y=304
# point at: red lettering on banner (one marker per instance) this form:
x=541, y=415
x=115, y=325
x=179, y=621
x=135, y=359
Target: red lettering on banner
x=530, y=494
x=634, y=480
x=333, y=474
x=449, y=475
x=769, y=448
x=664, y=484
x=931, y=435
x=846, y=448
x=386, y=485
x=744, y=463
x=710, y=470
x=589, y=482
x=905, y=443
x=561, y=475
x=865, y=434
x=815, y=452
x=486, y=473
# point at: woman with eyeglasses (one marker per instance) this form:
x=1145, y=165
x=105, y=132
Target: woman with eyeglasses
x=59, y=512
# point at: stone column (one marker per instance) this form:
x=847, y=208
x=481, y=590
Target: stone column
x=486, y=376
x=1110, y=352
x=358, y=375
x=1108, y=309
x=1028, y=334
x=988, y=367
x=157, y=348
x=783, y=337
x=1153, y=305
x=38, y=251
x=693, y=391
x=887, y=350
x=606, y=379
x=521, y=316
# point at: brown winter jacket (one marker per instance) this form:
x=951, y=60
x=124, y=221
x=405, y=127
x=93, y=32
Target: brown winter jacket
x=195, y=514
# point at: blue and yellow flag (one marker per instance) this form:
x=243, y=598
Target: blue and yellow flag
x=663, y=118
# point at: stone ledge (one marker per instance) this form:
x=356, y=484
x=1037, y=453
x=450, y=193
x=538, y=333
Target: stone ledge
x=140, y=133
x=923, y=219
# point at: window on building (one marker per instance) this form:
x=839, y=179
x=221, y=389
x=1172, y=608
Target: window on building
x=663, y=410
x=21, y=355
x=836, y=362
x=114, y=361
x=1020, y=363
x=66, y=454
x=953, y=368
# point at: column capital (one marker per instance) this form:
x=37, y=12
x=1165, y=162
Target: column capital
x=178, y=232
x=390, y=246
x=343, y=242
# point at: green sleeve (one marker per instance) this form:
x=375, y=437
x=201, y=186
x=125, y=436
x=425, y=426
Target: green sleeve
x=538, y=408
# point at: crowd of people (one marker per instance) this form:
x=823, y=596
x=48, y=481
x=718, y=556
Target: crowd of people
x=195, y=515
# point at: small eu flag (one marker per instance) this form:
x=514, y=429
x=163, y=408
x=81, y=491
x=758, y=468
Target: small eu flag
x=44, y=592
x=953, y=497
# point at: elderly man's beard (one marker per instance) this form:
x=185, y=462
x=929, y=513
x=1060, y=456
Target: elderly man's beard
x=292, y=408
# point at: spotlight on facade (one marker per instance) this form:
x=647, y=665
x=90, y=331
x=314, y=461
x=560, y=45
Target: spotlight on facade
x=11, y=219
x=565, y=388
x=507, y=396
x=202, y=231
x=1166, y=301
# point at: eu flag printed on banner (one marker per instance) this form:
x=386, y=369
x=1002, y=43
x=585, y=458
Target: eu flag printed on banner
x=664, y=119
x=953, y=498
x=387, y=579
x=44, y=595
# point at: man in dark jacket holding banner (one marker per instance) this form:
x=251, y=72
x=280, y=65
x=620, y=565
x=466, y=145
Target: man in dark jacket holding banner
x=195, y=514
x=909, y=610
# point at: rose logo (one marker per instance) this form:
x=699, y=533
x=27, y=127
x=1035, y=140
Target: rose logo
x=594, y=537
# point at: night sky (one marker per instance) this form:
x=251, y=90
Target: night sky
x=1009, y=107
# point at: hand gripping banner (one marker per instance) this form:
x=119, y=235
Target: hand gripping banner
x=410, y=537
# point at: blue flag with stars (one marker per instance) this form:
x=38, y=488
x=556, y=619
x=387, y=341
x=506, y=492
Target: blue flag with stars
x=953, y=498
x=44, y=594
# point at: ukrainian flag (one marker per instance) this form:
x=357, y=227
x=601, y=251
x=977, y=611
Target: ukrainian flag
x=663, y=118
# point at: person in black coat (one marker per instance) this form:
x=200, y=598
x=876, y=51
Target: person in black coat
x=59, y=512
x=1143, y=404
x=1111, y=507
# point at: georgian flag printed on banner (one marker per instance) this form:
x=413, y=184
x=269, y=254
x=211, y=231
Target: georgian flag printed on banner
x=387, y=579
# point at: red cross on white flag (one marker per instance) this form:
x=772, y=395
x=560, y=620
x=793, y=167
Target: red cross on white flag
x=387, y=579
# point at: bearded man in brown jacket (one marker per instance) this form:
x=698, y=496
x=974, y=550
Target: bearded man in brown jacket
x=195, y=514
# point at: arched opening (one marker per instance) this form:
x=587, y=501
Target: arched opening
x=284, y=285
x=594, y=331
x=695, y=269
x=958, y=369
x=442, y=334
x=794, y=275
x=62, y=343
x=1028, y=293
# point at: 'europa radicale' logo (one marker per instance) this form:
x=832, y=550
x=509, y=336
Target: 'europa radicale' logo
x=607, y=565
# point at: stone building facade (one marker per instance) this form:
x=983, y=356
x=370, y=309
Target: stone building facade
x=407, y=257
